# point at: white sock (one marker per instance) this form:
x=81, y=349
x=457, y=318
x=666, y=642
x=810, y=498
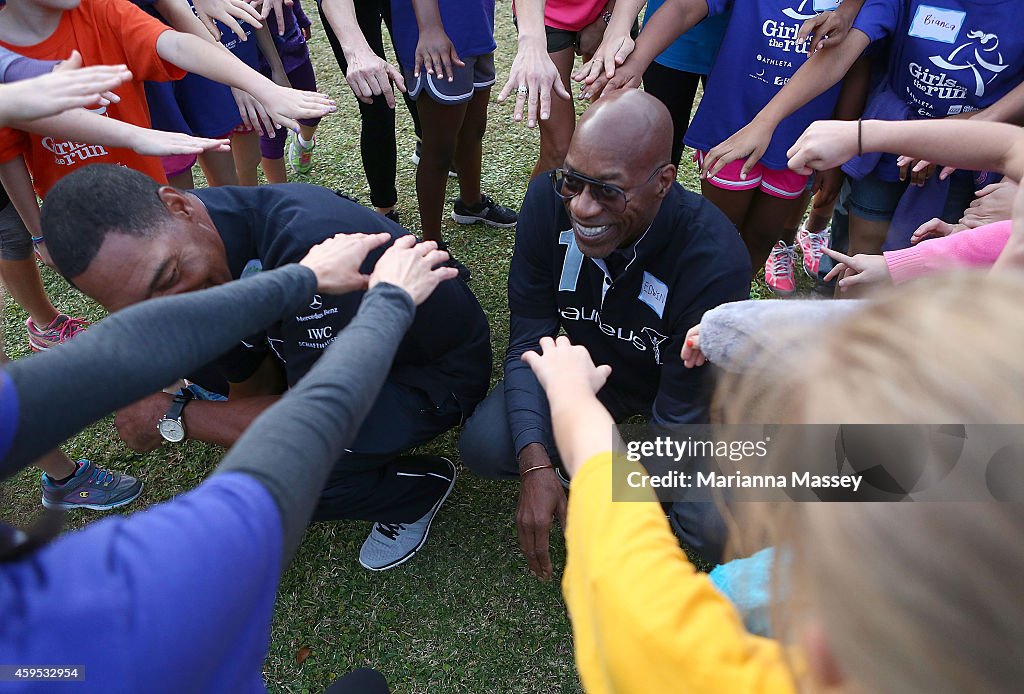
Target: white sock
x=303, y=143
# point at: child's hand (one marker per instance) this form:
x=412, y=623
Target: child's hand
x=286, y=106
x=933, y=228
x=278, y=7
x=862, y=270
x=750, y=141
x=436, y=53
x=227, y=11
x=627, y=76
x=565, y=365
x=826, y=144
x=254, y=116
x=691, y=355
x=65, y=89
x=158, y=143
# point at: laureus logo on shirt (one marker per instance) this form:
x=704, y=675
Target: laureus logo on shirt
x=68, y=153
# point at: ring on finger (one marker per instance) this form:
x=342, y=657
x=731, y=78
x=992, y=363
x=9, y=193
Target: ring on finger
x=523, y=89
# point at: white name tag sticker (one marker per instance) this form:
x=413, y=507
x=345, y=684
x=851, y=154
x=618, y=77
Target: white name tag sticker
x=654, y=293
x=937, y=24
x=825, y=5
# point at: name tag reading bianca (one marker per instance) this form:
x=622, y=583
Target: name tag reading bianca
x=937, y=24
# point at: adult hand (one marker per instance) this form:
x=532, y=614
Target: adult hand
x=336, y=261
x=993, y=203
x=436, y=53
x=287, y=106
x=861, y=270
x=750, y=141
x=613, y=52
x=137, y=424
x=278, y=7
x=827, y=26
x=826, y=144
x=562, y=363
x=541, y=500
x=691, y=355
x=534, y=77
x=369, y=75
x=227, y=12
x=415, y=267
x=934, y=227
x=918, y=170
x=65, y=88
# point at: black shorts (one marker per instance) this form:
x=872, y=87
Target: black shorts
x=477, y=74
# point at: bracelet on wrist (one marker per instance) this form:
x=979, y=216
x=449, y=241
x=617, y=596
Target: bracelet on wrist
x=528, y=470
x=36, y=240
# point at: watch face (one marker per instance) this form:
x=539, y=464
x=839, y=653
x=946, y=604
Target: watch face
x=171, y=430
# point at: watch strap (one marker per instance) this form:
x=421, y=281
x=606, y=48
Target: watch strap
x=177, y=407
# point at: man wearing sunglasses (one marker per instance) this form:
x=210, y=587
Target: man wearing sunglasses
x=612, y=251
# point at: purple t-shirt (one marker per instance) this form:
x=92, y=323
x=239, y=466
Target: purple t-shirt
x=15, y=67
x=949, y=56
x=468, y=23
x=759, y=55
x=176, y=598
x=292, y=46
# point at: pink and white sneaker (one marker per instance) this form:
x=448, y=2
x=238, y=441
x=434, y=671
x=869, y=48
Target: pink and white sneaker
x=811, y=243
x=779, y=271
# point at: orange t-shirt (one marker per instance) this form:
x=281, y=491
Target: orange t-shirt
x=105, y=32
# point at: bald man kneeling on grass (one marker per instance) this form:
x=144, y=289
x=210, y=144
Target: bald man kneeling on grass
x=615, y=253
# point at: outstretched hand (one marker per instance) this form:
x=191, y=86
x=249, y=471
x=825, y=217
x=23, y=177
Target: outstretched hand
x=336, y=261
x=415, y=267
x=227, y=12
x=69, y=86
x=561, y=364
x=859, y=271
x=826, y=144
x=749, y=142
x=533, y=77
x=691, y=355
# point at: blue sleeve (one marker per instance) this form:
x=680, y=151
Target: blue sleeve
x=878, y=18
x=684, y=394
x=719, y=7
x=533, y=313
x=175, y=598
x=15, y=67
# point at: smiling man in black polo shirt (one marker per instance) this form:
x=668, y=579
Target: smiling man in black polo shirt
x=614, y=252
x=122, y=238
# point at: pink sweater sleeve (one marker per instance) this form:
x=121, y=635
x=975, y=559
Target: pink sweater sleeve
x=969, y=248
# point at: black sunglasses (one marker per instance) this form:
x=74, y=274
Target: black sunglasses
x=568, y=184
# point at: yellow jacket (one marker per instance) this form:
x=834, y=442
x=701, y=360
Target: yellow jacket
x=643, y=619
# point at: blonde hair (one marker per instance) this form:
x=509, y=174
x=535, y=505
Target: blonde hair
x=913, y=596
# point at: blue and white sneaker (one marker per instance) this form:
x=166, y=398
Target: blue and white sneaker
x=390, y=544
x=91, y=487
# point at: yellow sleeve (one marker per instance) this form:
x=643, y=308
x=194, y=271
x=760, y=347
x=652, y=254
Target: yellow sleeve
x=643, y=619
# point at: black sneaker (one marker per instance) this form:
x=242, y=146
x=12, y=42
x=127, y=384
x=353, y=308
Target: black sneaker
x=452, y=173
x=393, y=216
x=489, y=212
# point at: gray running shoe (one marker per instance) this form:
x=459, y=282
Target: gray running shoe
x=91, y=487
x=390, y=544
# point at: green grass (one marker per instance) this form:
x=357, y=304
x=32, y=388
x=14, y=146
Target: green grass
x=464, y=615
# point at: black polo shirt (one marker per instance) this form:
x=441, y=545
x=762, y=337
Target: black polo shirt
x=446, y=351
x=689, y=260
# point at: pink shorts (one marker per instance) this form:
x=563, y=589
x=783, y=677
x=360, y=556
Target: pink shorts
x=779, y=183
x=178, y=163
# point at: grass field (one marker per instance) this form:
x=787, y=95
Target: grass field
x=464, y=615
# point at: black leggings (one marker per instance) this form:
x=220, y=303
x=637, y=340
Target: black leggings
x=677, y=90
x=377, y=136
